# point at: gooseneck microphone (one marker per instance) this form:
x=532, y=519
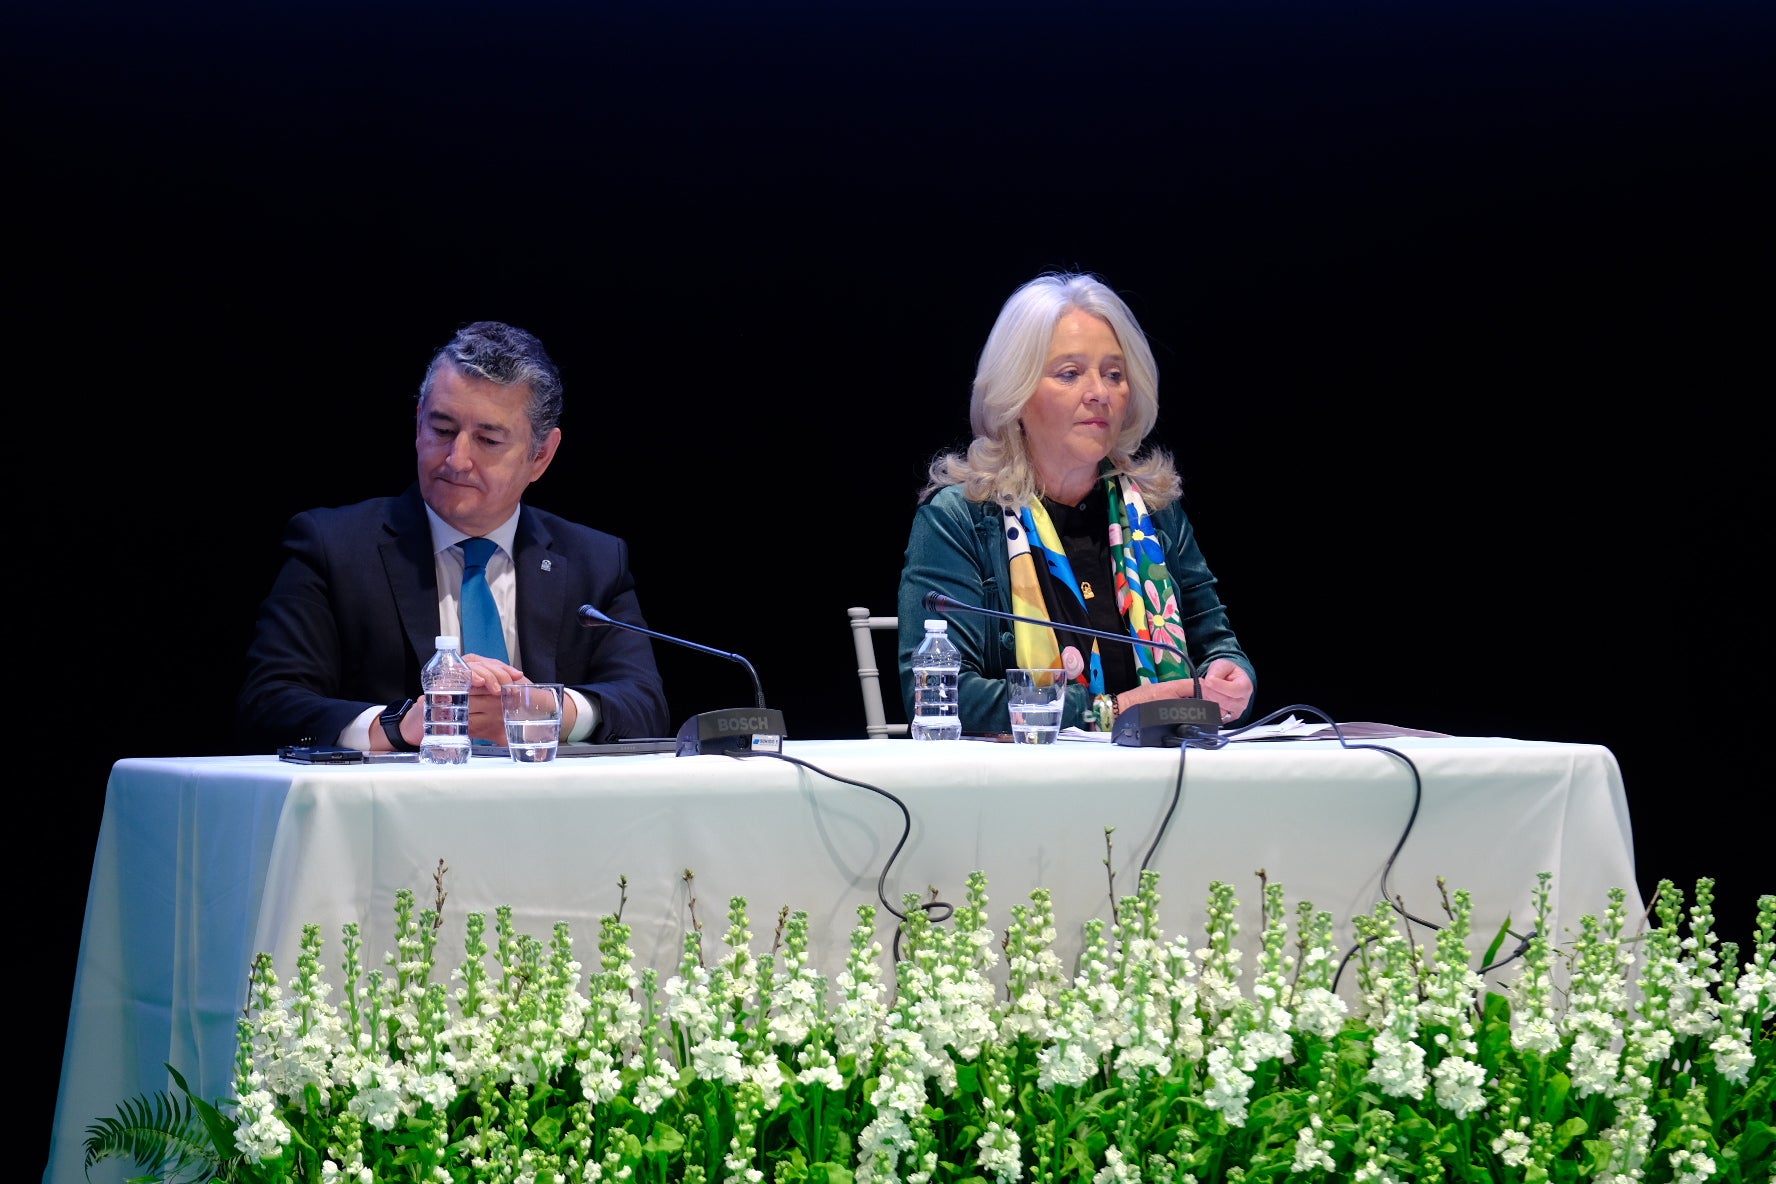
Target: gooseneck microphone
x=590, y=615
x=937, y=602
x=1150, y=724
x=751, y=729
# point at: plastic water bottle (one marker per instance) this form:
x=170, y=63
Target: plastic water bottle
x=937, y=670
x=446, y=680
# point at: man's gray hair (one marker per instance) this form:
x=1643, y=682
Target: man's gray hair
x=500, y=353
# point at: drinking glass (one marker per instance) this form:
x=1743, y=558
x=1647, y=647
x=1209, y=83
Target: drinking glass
x=1035, y=697
x=533, y=721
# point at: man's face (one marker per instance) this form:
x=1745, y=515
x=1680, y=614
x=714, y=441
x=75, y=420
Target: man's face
x=475, y=458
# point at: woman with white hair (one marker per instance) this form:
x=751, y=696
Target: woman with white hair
x=1057, y=512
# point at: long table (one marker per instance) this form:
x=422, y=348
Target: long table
x=202, y=862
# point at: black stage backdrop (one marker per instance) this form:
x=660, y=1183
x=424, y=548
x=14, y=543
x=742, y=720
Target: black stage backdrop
x=1462, y=314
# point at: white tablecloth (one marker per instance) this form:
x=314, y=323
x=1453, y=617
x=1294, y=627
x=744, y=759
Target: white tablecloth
x=203, y=861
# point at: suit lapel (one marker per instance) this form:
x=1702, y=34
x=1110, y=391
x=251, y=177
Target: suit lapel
x=544, y=586
x=412, y=575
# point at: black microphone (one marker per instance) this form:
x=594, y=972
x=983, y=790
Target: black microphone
x=744, y=729
x=1150, y=724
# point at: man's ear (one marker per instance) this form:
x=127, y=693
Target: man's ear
x=540, y=463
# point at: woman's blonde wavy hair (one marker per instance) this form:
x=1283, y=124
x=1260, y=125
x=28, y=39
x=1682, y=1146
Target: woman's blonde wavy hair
x=997, y=466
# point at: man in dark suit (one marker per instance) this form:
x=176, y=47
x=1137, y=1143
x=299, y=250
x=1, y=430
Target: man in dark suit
x=365, y=589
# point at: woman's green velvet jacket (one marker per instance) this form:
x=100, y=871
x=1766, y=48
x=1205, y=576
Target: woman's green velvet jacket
x=957, y=548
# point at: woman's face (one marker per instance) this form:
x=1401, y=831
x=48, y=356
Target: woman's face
x=1076, y=414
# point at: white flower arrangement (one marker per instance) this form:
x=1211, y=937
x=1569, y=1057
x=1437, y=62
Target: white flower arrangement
x=1148, y=1063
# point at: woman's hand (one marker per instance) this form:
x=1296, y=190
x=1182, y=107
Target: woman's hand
x=1224, y=682
x=1228, y=684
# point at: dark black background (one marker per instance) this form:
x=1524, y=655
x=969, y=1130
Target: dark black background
x=1462, y=314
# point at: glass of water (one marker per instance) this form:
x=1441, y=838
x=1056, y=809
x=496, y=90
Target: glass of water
x=1035, y=698
x=533, y=720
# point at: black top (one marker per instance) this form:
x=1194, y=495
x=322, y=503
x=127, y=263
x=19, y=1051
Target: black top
x=1085, y=537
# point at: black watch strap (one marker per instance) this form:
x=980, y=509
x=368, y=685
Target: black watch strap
x=391, y=726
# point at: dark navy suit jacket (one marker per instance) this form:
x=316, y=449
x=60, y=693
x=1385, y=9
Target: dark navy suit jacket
x=353, y=614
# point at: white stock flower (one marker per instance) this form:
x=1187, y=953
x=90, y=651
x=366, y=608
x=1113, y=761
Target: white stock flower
x=379, y=1105
x=1320, y=1012
x=1141, y=1060
x=1459, y=1086
x=1027, y=1015
x=437, y=1090
x=622, y=1022
x=599, y=1079
x=1512, y=1147
x=718, y=1060
x=1690, y=1167
x=1733, y=1057
x=1312, y=1153
x=1260, y=1046
x=795, y=1019
x=688, y=1005
x=899, y=1096
x=860, y=1014
x=1592, y=1065
x=1219, y=992
x=768, y=1076
x=1538, y=1034
x=1228, y=1084
x=1694, y=1010
x=1398, y=1067
x=654, y=1091
x=1001, y=1153
x=1116, y=1170
x=1628, y=1140
x=827, y=1075
x=261, y=1133
x=1063, y=1064
x=1757, y=988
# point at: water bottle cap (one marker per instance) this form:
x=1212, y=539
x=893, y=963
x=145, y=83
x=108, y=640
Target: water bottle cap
x=937, y=626
x=447, y=641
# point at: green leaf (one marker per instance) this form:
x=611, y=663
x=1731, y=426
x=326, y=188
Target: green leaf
x=663, y=1140
x=1079, y=1158
x=1498, y=942
x=1756, y=1150
x=1496, y=1009
x=968, y=1079
x=1554, y=1096
x=1354, y=1054
x=158, y=1131
x=547, y=1130
x=220, y=1127
x=1413, y=1125
x=622, y=1108
x=830, y=1173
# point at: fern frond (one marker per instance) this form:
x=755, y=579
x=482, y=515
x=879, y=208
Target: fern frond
x=158, y=1132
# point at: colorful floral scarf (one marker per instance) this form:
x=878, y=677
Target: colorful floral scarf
x=1145, y=594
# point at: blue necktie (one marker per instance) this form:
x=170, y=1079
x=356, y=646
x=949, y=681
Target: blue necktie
x=480, y=616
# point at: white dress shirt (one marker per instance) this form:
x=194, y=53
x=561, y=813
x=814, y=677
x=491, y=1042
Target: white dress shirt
x=502, y=579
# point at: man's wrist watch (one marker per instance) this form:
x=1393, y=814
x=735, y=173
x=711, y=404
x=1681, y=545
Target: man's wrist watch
x=391, y=726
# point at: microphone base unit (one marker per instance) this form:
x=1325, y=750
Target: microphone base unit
x=1153, y=724
x=733, y=729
